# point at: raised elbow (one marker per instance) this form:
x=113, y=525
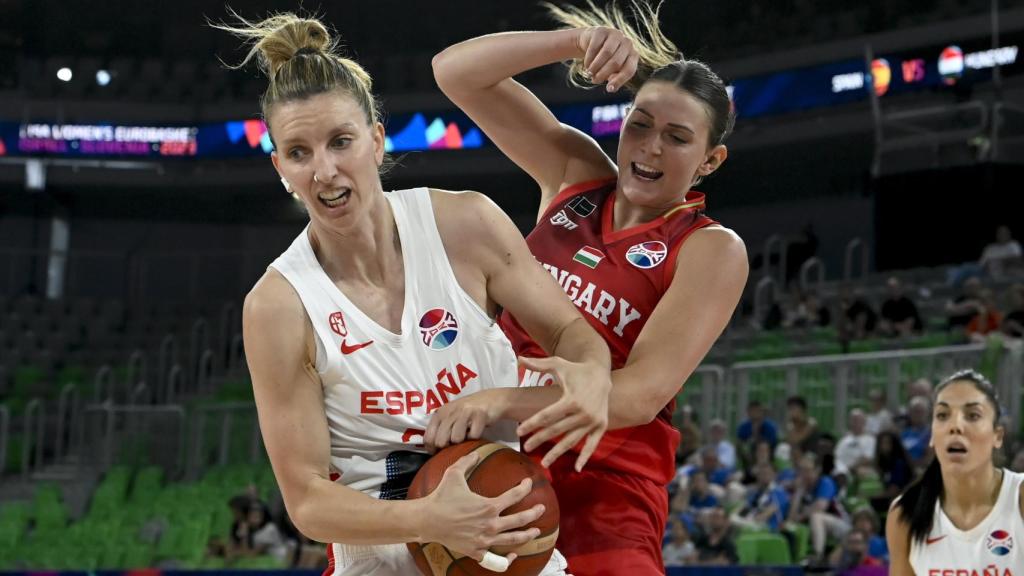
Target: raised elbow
x=441, y=65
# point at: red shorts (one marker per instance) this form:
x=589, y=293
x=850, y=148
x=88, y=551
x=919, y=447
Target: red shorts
x=611, y=524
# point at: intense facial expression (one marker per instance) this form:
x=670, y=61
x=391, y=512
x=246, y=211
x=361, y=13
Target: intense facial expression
x=964, y=431
x=663, y=146
x=329, y=154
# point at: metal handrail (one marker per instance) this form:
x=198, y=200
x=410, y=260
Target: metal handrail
x=775, y=241
x=237, y=352
x=72, y=407
x=33, y=430
x=852, y=246
x=813, y=263
x=136, y=368
x=205, y=371
x=199, y=338
x=104, y=378
x=174, y=383
x=763, y=284
x=168, y=355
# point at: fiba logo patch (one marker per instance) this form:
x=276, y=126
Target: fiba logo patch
x=439, y=328
x=999, y=543
x=646, y=254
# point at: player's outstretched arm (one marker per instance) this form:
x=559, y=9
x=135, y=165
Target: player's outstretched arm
x=477, y=75
x=475, y=230
x=280, y=352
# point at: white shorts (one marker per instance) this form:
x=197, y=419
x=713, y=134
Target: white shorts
x=395, y=560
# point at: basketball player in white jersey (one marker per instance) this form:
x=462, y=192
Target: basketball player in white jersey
x=963, y=516
x=382, y=311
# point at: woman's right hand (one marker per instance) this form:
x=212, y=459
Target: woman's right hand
x=470, y=524
x=609, y=56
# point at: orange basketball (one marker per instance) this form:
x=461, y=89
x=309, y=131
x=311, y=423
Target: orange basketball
x=498, y=469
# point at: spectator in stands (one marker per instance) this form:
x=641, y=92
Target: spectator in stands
x=816, y=503
x=987, y=318
x=879, y=418
x=763, y=454
x=853, y=552
x=965, y=306
x=1013, y=322
x=1003, y=256
x=855, y=452
x=917, y=433
x=718, y=476
x=767, y=505
x=857, y=319
x=724, y=448
x=899, y=315
x=825, y=448
x=920, y=388
x=894, y=466
x=680, y=549
x=259, y=535
x=808, y=312
x=801, y=428
x=701, y=492
x=1017, y=464
x=691, y=435
x=866, y=520
x=755, y=428
x=787, y=476
x=716, y=545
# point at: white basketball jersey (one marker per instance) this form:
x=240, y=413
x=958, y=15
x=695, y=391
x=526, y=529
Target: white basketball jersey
x=995, y=547
x=380, y=388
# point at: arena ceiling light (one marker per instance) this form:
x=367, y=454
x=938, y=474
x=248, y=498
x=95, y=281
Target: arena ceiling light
x=102, y=77
x=64, y=74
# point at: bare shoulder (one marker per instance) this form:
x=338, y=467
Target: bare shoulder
x=273, y=317
x=1022, y=499
x=468, y=219
x=715, y=245
x=897, y=536
x=272, y=299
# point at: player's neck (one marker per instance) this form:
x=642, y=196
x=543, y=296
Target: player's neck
x=626, y=214
x=367, y=253
x=968, y=498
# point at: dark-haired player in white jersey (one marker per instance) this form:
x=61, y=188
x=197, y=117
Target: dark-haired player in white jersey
x=963, y=516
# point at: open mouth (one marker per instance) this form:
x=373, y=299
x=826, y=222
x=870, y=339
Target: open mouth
x=956, y=448
x=335, y=198
x=645, y=172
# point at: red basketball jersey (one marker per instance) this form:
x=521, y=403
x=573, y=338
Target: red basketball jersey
x=615, y=278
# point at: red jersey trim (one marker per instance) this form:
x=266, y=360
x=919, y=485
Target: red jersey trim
x=574, y=189
x=609, y=234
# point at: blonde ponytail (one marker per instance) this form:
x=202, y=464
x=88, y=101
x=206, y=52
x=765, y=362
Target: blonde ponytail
x=300, y=59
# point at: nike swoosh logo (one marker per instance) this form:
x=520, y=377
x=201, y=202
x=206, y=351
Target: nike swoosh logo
x=346, y=349
x=929, y=541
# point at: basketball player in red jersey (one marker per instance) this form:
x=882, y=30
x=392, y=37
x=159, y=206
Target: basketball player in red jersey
x=629, y=243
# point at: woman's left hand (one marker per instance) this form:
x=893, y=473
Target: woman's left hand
x=463, y=419
x=582, y=412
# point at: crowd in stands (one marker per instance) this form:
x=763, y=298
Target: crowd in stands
x=257, y=530
x=827, y=497
x=988, y=300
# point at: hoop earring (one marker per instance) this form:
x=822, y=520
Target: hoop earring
x=287, y=186
x=315, y=179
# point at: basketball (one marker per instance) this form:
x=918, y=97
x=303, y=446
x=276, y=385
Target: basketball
x=498, y=470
